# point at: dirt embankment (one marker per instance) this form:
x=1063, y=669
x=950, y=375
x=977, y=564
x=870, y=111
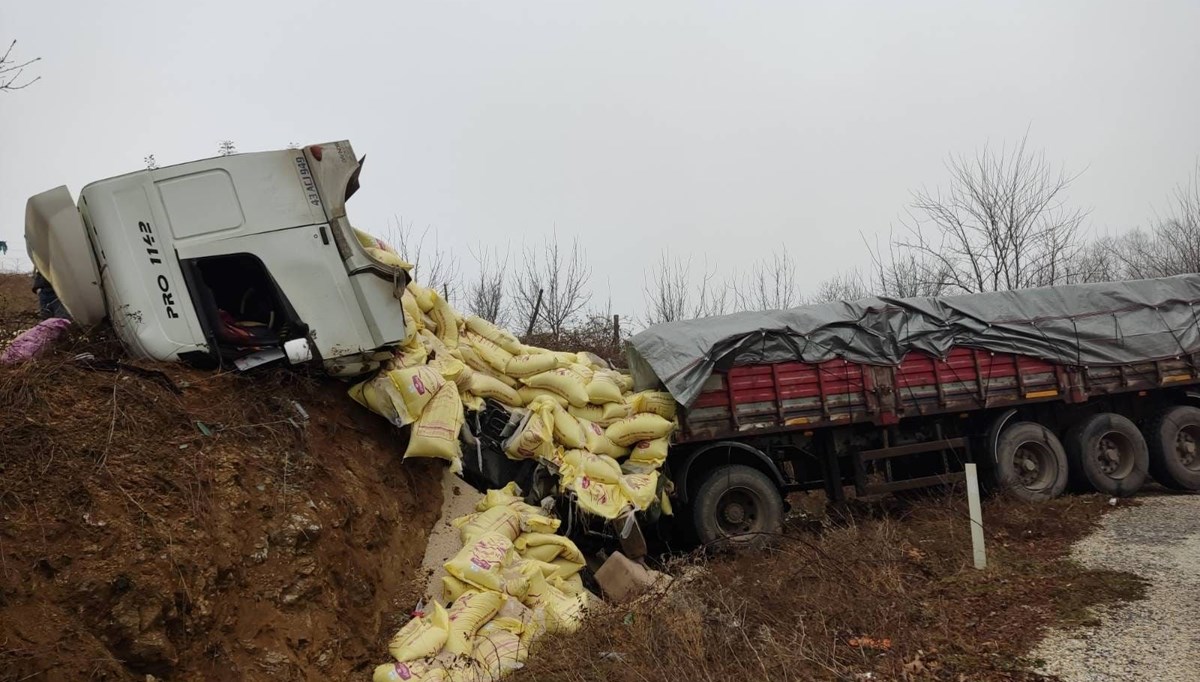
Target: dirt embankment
x=156, y=520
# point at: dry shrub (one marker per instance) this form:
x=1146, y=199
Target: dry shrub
x=888, y=591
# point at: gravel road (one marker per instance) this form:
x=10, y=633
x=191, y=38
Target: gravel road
x=1157, y=638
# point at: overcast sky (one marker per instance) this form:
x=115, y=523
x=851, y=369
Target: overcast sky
x=718, y=129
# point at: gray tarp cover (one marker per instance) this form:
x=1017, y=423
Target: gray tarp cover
x=1082, y=324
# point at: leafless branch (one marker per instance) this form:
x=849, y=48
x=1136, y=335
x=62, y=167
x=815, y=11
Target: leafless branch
x=561, y=275
x=485, y=294
x=433, y=267
x=11, y=71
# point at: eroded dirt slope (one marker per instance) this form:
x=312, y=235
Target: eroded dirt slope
x=156, y=520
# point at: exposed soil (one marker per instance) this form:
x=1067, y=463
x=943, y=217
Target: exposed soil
x=157, y=520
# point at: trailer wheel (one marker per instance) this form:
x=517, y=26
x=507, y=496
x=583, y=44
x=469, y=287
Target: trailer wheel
x=1108, y=454
x=1174, y=440
x=736, y=506
x=1030, y=462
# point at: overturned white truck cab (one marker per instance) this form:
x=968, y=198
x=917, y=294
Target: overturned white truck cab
x=236, y=259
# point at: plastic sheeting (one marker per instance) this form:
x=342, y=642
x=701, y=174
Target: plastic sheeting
x=1084, y=324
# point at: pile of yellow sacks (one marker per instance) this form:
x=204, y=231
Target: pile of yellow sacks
x=513, y=580
x=578, y=415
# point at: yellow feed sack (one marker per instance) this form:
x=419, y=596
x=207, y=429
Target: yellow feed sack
x=487, y=386
x=534, y=520
x=594, y=497
x=599, y=443
x=567, y=430
x=498, y=336
x=535, y=439
x=434, y=346
x=526, y=365
x=435, y=433
x=650, y=451
x=481, y=563
x=447, y=322
x=421, y=637
x=548, y=547
x=604, y=415
x=411, y=310
x=624, y=381
x=412, y=353
x=452, y=588
x=603, y=389
x=562, y=381
x=565, y=357
x=471, y=610
x=417, y=386
x=416, y=671
x=583, y=371
x=425, y=297
x=645, y=426
x=565, y=612
x=380, y=396
x=500, y=497
x=571, y=585
x=498, y=652
x=653, y=402
x=598, y=467
x=528, y=395
x=502, y=519
x=496, y=357
x=641, y=489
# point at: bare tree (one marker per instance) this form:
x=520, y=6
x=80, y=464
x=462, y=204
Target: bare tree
x=771, y=284
x=1002, y=223
x=558, y=278
x=11, y=70
x=844, y=286
x=904, y=273
x=667, y=293
x=433, y=266
x=226, y=148
x=485, y=294
x=151, y=162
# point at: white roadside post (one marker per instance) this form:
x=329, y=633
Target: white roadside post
x=976, y=517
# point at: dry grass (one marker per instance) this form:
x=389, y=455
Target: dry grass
x=880, y=593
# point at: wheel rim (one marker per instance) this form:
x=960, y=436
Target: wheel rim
x=739, y=512
x=1186, y=445
x=1113, y=454
x=1035, y=466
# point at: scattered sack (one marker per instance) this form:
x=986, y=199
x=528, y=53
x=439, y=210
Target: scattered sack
x=600, y=443
x=644, y=426
x=487, y=386
x=528, y=395
x=471, y=610
x=435, y=433
x=533, y=439
x=380, y=396
x=482, y=562
x=567, y=430
x=650, y=451
x=562, y=381
x=416, y=671
x=595, y=497
x=591, y=465
x=417, y=386
x=526, y=365
x=422, y=636
x=34, y=341
x=603, y=388
x=548, y=547
x=496, y=357
x=604, y=415
x=498, y=336
x=641, y=489
x=500, y=519
x=653, y=402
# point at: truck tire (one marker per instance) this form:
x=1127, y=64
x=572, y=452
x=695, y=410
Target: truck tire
x=1174, y=443
x=1030, y=462
x=1107, y=454
x=736, y=506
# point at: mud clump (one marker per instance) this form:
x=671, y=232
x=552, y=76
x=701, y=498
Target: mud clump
x=163, y=521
